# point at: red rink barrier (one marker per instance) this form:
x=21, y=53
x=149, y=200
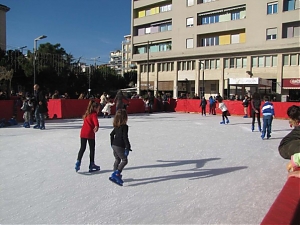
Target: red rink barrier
x=75, y=108
x=286, y=207
x=234, y=107
x=6, y=109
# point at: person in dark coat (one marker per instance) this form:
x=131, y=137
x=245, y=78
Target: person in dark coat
x=119, y=100
x=255, y=110
x=150, y=102
x=40, y=107
x=290, y=144
x=203, y=104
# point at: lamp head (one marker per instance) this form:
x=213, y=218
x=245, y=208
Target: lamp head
x=40, y=37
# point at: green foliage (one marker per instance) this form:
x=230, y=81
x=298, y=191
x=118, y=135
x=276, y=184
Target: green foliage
x=58, y=70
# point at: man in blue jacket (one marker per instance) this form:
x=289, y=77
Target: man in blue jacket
x=268, y=115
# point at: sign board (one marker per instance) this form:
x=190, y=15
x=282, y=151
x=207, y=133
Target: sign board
x=243, y=81
x=291, y=83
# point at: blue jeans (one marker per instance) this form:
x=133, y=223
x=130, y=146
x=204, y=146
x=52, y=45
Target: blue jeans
x=267, y=126
x=39, y=117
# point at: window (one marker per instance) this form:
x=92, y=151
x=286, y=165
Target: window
x=226, y=63
x=261, y=60
x=297, y=31
x=271, y=33
x=211, y=41
x=272, y=8
x=172, y=66
x=254, y=61
x=217, y=63
x=231, y=62
x=206, y=64
x=239, y=63
x=235, y=15
x=190, y=2
x=212, y=64
x=268, y=61
x=184, y=65
x=286, y=60
x=274, y=60
x=289, y=5
x=190, y=43
x=235, y=38
x=189, y=65
x=244, y=62
x=213, y=87
x=190, y=22
x=293, y=60
x=210, y=19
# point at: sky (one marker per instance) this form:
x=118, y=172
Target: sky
x=84, y=28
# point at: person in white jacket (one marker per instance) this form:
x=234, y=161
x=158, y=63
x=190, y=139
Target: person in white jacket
x=224, y=110
x=106, y=110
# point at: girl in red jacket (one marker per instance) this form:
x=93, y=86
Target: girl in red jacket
x=87, y=134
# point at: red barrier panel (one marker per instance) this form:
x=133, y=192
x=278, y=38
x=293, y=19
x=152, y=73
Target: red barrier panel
x=286, y=207
x=6, y=109
x=234, y=107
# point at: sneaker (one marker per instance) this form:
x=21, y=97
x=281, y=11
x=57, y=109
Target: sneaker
x=227, y=121
x=222, y=122
x=268, y=137
x=262, y=137
x=42, y=128
x=77, y=165
x=36, y=127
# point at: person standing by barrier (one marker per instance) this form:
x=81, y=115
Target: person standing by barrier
x=212, y=106
x=119, y=100
x=150, y=98
x=203, y=104
x=87, y=134
x=245, y=104
x=224, y=110
x=40, y=107
x=120, y=144
x=268, y=114
x=255, y=110
x=164, y=99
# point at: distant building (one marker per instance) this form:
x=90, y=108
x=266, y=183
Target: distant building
x=195, y=46
x=127, y=64
x=115, y=61
x=3, y=10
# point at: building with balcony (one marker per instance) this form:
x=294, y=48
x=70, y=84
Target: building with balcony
x=195, y=46
x=127, y=64
x=3, y=10
x=115, y=61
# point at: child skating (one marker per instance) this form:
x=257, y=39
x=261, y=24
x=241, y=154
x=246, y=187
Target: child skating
x=120, y=144
x=268, y=115
x=224, y=110
x=107, y=109
x=87, y=134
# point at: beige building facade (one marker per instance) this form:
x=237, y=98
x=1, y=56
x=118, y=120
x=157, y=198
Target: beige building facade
x=3, y=10
x=195, y=45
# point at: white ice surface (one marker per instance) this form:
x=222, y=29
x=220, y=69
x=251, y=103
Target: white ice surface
x=184, y=169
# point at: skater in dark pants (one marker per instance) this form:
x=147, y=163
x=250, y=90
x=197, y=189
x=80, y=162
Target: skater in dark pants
x=87, y=134
x=120, y=145
x=255, y=110
x=224, y=110
x=203, y=104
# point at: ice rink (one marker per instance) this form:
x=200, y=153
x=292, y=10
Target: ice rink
x=184, y=169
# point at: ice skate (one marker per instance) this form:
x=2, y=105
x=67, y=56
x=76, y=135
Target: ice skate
x=252, y=128
x=222, y=122
x=227, y=121
x=93, y=167
x=116, y=178
x=36, y=127
x=77, y=165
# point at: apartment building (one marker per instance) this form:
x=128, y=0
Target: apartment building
x=115, y=61
x=3, y=10
x=127, y=64
x=197, y=45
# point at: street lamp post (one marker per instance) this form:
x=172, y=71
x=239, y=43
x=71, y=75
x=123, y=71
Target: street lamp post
x=34, y=57
x=148, y=50
x=202, y=66
x=21, y=48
